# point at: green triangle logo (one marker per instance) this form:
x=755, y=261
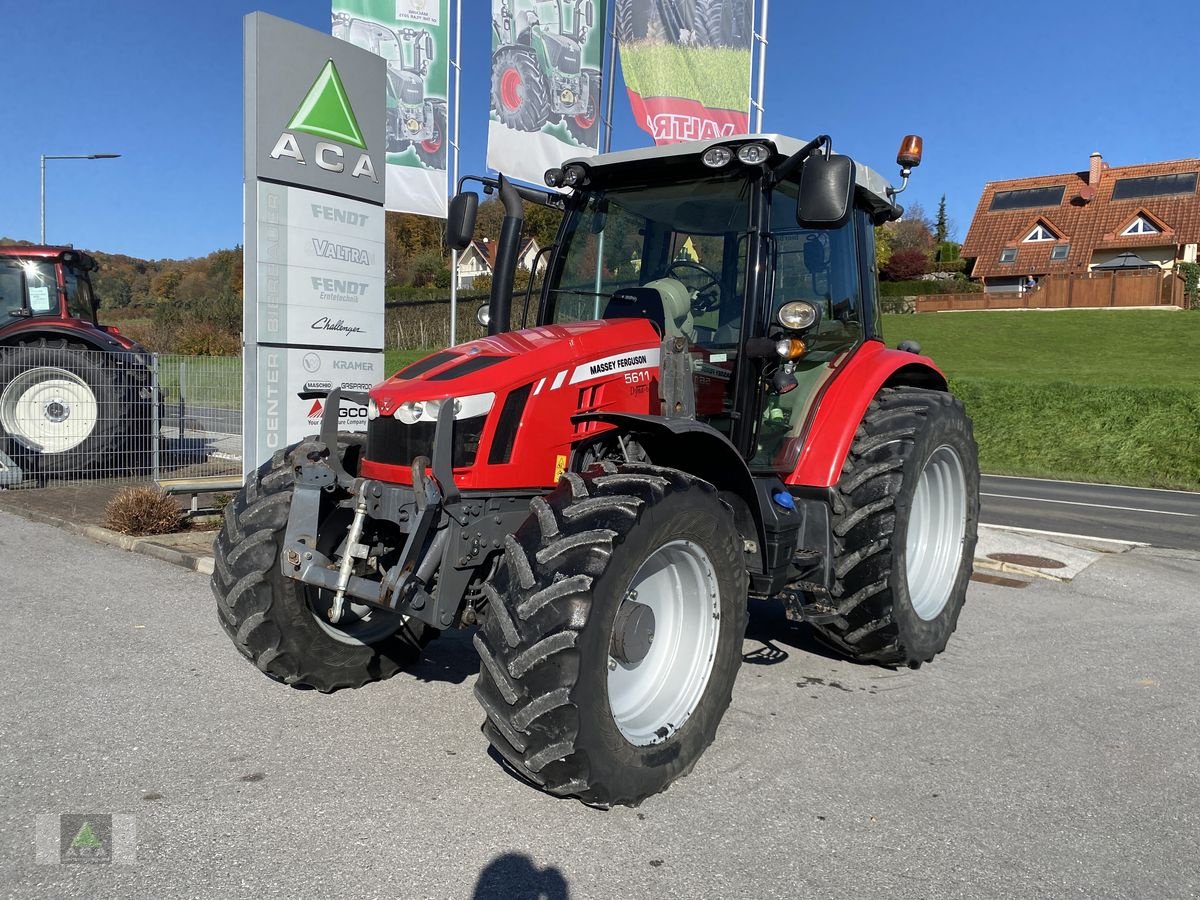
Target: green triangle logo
x=86, y=839
x=326, y=111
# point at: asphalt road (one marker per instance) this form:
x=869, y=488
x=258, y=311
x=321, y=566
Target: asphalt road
x=1050, y=752
x=1160, y=518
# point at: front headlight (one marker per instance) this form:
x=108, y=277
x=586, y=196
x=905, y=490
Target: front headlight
x=412, y=411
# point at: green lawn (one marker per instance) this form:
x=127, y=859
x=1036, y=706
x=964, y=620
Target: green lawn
x=1087, y=395
x=395, y=360
x=724, y=80
x=1150, y=347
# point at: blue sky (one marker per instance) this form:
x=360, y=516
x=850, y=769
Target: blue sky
x=998, y=90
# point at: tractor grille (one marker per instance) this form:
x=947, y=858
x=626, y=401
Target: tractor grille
x=392, y=442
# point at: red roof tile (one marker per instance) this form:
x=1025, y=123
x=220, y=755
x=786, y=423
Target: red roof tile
x=1088, y=226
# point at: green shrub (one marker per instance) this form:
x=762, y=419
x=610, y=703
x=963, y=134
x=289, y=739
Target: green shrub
x=918, y=288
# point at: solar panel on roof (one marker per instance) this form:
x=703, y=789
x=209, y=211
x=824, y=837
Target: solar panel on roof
x=1027, y=198
x=1155, y=186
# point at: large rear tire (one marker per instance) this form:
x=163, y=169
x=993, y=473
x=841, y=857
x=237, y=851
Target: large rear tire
x=67, y=410
x=519, y=93
x=906, y=518
x=613, y=633
x=278, y=623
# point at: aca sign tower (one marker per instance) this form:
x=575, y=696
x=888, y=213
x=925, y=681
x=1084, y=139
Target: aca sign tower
x=314, y=231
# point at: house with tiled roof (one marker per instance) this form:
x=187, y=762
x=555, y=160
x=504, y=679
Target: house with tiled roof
x=1104, y=218
x=480, y=259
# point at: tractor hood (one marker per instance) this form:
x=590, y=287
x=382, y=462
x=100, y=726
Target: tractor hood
x=514, y=396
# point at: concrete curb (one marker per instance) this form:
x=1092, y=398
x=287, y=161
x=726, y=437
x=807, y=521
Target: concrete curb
x=146, y=546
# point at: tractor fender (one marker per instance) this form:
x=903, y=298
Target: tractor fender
x=94, y=338
x=843, y=403
x=692, y=447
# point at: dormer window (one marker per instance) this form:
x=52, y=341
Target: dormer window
x=1040, y=233
x=1008, y=255
x=1140, y=225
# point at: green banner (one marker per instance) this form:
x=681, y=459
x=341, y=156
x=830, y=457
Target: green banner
x=546, y=84
x=413, y=37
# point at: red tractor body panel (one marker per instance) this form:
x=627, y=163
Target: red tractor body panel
x=843, y=404
x=597, y=366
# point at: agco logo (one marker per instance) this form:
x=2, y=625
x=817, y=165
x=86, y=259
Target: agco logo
x=326, y=113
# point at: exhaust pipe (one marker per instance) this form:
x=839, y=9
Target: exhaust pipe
x=506, y=258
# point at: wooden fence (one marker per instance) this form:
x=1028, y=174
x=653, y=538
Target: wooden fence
x=1091, y=291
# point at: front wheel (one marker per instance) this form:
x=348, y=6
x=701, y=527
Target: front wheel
x=613, y=633
x=280, y=624
x=906, y=519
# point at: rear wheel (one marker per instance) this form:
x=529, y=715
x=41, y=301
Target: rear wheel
x=906, y=514
x=280, y=624
x=66, y=409
x=519, y=95
x=613, y=633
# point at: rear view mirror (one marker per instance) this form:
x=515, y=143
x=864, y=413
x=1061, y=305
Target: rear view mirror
x=460, y=220
x=826, y=191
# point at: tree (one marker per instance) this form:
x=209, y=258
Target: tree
x=941, y=230
x=883, y=247
x=914, y=231
x=906, y=263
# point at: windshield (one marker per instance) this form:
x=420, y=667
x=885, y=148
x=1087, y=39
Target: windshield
x=692, y=232
x=27, y=285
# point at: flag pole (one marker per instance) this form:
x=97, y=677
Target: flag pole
x=457, y=65
x=761, y=36
x=611, y=15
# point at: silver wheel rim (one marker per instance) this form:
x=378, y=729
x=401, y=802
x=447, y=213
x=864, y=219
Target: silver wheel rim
x=48, y=409
x=937, y=525
x=361, y=625
x=650, y=700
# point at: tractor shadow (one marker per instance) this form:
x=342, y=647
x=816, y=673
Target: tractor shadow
x=514, y=876
x=451, y=658
x=769, y=628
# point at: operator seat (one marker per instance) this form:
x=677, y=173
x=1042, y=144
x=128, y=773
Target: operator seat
x=665, y=302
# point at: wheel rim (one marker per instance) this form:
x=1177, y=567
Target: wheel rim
x=650, y=700
x=937, y=525
x=510, y=84
x=48, y=409
x=586, y=121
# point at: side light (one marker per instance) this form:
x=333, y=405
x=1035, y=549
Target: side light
x=715, y=157
x=554, y=177
x=797, y=315
x=753, y=154
x=574, y=176
x=791, y=348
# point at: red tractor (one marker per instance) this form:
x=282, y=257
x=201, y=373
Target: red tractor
x=75, y=396
x=703, y=412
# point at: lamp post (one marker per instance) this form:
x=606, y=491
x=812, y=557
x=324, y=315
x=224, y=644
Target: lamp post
x=67, y=156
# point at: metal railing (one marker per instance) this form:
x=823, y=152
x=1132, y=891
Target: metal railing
x=69, y=414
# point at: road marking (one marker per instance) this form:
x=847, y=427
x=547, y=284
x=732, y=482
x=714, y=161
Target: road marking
x=1160, y=512
x=1091, y=484
x=1066, y=534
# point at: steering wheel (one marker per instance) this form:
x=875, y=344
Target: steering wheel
x=701, y=303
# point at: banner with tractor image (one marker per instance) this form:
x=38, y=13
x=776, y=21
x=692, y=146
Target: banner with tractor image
x=686, y=64
x=413, y=36
x=546, y=73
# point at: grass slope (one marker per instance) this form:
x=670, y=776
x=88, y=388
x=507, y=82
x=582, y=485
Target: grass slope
x=719, y=73
x=1090, y=395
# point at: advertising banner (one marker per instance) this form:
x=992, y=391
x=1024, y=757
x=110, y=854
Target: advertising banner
x=686, y=65
x=413, y=38
x=546, y=74
x=314, y=232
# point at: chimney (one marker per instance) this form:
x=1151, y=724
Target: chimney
x=1095, y=169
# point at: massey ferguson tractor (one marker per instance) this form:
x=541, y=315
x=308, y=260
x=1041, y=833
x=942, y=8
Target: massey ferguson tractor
x=75, y=396
x=702, y=411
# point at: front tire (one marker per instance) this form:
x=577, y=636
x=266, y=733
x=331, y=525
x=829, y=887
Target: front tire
x=613, y=633
x=906, y=519
x=275, y=621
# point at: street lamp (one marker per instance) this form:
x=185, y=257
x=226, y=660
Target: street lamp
x=67, y=156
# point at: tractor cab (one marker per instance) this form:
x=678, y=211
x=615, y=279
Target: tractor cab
x=757, y=251
x=46, y=283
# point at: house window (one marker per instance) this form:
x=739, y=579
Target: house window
x=1155, y=186
x=1027, y=198
x=1060, y=252
x=1140, y=225
x=1008, y=254
x=1040, y=233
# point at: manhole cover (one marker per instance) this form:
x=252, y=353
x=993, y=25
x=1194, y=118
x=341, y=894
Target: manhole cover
x=1025, y=559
